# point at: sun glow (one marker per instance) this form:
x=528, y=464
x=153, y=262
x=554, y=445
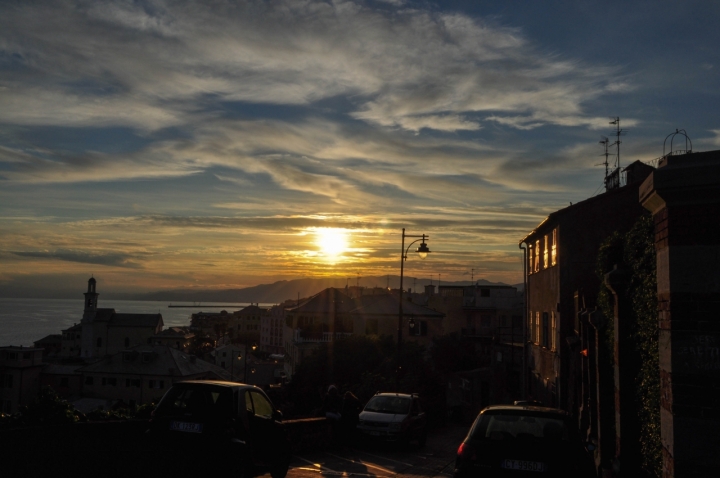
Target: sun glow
x=332, y=242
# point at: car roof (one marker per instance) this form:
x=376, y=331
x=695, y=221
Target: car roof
x=217, y=383
x=532, y=408
x=394, y=394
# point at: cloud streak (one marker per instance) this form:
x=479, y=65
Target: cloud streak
x=404, y=68
x=104, y=259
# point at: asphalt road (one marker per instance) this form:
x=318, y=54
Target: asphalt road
x=437, y=458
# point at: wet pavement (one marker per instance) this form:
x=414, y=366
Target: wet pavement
x=437, y=458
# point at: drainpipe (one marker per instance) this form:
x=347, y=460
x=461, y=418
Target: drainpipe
x=524, y=321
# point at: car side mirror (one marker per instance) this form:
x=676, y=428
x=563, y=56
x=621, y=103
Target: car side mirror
x=277, y=416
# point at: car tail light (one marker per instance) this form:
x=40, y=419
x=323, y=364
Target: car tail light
x=466, y=452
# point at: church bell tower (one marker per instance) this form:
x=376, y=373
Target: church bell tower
x=91, y=300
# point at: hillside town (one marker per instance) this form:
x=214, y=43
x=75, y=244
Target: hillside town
x=577, y=337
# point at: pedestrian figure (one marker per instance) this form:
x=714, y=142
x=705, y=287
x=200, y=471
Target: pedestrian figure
x=349, y=417
x=332, y=404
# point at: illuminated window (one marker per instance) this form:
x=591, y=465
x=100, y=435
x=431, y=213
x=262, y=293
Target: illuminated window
x=537, y=256
x=537, y=327
x=554, y=247
x=553, y=331
x=546, y=263
x=530, y=259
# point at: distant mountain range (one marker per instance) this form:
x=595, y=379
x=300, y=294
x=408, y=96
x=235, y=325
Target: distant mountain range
x=281, y=291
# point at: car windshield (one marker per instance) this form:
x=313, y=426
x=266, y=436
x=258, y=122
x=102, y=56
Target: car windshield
x=196, y=401
x=521, y=425
x=389, y=405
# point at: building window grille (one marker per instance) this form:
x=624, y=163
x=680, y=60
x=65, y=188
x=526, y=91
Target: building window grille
x=537, y=327
x=553, y=331
x=536, y=268
x=546, y=253
x=419, y=330
x=553, y=254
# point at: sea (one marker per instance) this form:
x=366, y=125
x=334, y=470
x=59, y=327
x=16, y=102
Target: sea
x=23, y=321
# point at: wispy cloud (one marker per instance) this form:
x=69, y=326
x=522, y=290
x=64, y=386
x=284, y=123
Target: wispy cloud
x=407, y=68
x=105, y=259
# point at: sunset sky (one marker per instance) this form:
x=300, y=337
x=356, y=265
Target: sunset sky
x=225, y=144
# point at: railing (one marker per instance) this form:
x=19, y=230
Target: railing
x=301, y=336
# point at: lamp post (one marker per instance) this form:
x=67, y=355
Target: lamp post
x=422, y=251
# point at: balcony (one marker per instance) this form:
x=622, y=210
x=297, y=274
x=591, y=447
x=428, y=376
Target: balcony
x=303, y=336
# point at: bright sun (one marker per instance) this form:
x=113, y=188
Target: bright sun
x=332, y=242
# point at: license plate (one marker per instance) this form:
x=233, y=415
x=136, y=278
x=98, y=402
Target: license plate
x=186, y=427
x=523, y=465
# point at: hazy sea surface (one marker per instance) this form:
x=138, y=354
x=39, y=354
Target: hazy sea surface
x=23, y=321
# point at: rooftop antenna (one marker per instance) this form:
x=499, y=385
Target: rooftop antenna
x=605, y=142
x=357, y=282
x=618, y=132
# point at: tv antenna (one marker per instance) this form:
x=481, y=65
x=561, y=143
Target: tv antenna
x=605, y=142
x=617, y=133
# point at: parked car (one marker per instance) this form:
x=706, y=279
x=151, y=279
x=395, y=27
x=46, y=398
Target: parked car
x=523, y=440
x=231, y=424
x=394, y=417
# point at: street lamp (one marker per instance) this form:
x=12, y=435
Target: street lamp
x=422, y=251
x=247, y=356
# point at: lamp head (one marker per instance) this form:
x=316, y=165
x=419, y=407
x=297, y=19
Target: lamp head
x=423, y=250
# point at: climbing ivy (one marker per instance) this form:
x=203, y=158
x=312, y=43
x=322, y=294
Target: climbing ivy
x=635, y=251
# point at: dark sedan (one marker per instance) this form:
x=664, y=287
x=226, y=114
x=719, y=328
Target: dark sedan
x=518, y=441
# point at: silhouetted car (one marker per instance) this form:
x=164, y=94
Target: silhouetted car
x=221, y=423
x=394, y=417
x=517, y=441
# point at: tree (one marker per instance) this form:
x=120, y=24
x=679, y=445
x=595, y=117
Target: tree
x=635, y=250
x=48, y=409
x=201, y=345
